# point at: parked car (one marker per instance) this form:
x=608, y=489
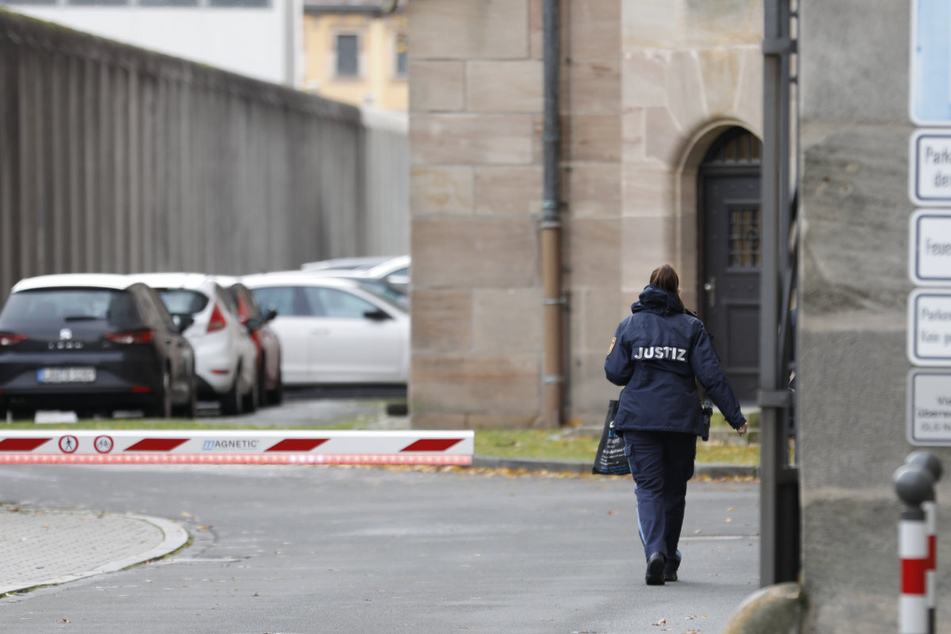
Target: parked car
x=378, y=285
x=345, y=263
x=93, y=343
x=393, y=270
x=225, y=354
x=266, y=341
x=334, y=330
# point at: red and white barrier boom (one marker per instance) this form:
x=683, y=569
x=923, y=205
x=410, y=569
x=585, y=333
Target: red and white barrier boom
x=226, y=446
x=914, y=483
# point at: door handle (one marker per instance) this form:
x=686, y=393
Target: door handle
x=711, y=289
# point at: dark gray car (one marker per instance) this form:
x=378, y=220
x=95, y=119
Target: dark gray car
x=93, y=343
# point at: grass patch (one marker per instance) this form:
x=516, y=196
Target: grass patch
x=539, y=444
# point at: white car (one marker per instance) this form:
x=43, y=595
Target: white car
x=225, y=354
x=393, y=270
x=334, y=331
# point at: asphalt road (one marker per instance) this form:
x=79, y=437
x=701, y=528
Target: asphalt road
x=358, y=549
x=316, y=406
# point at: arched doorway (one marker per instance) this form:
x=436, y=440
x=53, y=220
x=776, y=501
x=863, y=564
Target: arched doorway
x=729, y=258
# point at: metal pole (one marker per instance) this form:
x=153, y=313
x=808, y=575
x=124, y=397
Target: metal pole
x=930, y=463
x=914, y=486
x=779, y=486
x=553, y=300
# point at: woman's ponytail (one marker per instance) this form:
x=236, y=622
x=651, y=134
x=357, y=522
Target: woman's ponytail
x=666, y=278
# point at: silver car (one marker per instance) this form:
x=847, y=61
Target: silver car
x=334, y=331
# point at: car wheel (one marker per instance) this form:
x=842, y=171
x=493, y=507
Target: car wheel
x=17, y=413
x=262, y=386
x=162, y=399
x=232, y=401
x=276, y=396
x=250, y=401
x=190, y=408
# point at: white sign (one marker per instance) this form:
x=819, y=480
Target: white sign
x=929, y=247
x=929, y=174
x=929, y=327
x=929, y=407
x=930, y=86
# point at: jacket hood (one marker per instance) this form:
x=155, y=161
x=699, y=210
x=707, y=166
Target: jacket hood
x=658, y=300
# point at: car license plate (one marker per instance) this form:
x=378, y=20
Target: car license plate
x=66, y=375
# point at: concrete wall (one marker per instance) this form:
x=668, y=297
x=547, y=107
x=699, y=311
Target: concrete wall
x=384, y=229
x=116, y=159
x=647, y=85
x=852, y=320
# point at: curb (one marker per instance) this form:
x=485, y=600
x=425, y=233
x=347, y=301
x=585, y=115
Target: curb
x=57, y=569
x=771, y=610
x=710, y=470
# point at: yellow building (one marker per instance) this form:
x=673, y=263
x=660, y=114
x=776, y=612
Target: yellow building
x=355, y=52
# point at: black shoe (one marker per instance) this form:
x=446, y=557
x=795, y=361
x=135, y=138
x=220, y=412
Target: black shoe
x=655, y=569
x=670, y=575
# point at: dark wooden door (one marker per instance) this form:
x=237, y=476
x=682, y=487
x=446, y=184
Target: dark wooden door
x=730, y=279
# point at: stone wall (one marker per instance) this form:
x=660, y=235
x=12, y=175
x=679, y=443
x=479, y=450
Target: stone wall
x=646, y=87
x=852, y=365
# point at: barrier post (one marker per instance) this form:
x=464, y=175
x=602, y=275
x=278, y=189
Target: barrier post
x=932, y=465
x=914, y=485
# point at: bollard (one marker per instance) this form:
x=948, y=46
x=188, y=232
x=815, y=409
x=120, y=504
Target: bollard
x=930, y=463
x=914, y=485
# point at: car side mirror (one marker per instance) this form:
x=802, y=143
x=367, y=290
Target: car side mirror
x=270, y=314
x=182, y=322
x=377, y=315
x=253, y=323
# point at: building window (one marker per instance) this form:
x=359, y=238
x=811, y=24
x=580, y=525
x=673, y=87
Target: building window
x=400, y=54
x=348, y=55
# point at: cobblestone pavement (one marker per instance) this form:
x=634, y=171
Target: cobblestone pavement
x=48, y=547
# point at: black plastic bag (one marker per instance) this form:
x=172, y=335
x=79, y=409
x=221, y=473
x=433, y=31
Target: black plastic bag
x=610, y=458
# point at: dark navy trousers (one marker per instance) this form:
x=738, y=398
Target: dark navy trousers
x=661, y=463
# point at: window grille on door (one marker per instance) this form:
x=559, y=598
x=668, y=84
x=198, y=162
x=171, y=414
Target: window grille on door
x=744, y=238
x=735, y=147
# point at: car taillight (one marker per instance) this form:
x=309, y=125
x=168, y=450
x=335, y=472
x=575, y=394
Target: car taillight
x=10, y=339
x=217, y=321
x=131, y=337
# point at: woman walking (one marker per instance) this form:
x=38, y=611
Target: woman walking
x=659, y=354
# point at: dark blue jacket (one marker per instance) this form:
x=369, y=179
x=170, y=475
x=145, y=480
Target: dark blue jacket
x=658, y=354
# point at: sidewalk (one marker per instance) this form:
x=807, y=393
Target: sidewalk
x=42, y=547
x=46, y=547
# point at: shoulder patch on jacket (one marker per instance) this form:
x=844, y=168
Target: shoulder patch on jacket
x=613, y=341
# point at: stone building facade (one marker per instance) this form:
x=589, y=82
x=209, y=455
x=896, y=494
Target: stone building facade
x=648, y=88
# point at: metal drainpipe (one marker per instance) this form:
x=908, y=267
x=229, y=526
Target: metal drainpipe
x=553, y=301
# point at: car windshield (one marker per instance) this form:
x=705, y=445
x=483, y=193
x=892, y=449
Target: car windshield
x=69, y=304
x=181, y=301
x=385, y=293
